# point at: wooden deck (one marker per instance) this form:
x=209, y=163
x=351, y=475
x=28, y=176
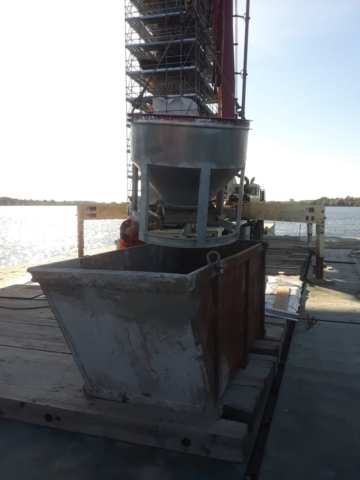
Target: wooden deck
x=40, y=383
x=286, y=256
x=315, y=427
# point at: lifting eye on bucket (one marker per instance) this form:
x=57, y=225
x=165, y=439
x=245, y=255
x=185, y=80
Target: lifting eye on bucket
x=214, y=257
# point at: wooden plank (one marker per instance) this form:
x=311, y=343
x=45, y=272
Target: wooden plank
x=21, y=303
x=30, y=313
x=282, y=298
x=24, y=291
x=276, y=273
x=241, y=404
x=30, y=344
x=268, y=358
x=276, y=259
x=285, y=257
x=55, y=400
x=260, y=413
x=31, y=332
x=242, y=399
x=275, y=332
x=258, y=373
x=282, y=271
x=283, y=265
x=265, y=364
x=29, y=320
x=266, y=347
x=221, y=439
x=276, y=321
x=28, y=370
x=272, y=260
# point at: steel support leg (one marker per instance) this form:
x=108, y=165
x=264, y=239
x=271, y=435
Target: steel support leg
x=144, y=203
x=135, y=186
x=240, y=200
x=309, y=228
x=220, y=203
x=203, y=207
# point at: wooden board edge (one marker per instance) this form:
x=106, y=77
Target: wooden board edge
x=252, y=435
x=222, y=440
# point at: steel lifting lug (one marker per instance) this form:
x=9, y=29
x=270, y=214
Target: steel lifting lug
x=217, y=261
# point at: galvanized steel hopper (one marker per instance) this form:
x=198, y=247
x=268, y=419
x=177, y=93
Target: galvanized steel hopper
x=185, y=161
x=177, y=149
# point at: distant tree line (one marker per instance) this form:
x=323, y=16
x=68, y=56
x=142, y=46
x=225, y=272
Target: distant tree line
x=6, y=201
x=335, y=202
x=329, y=202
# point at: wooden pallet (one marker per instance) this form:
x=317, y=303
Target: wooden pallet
x=286, y=256
x=40, y=384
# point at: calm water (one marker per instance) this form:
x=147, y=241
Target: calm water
x=340, y=222
x=31, y=234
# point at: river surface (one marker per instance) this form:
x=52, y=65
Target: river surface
x=340, y=222
x=31, y=234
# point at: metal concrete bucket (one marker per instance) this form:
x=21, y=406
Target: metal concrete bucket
x=159, y=326
x=177, y=148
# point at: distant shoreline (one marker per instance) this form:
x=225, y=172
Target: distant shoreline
x=16, y=202
x=334, y=202
x=315, y=202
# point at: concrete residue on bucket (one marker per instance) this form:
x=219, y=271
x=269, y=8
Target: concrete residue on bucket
x=159, y=326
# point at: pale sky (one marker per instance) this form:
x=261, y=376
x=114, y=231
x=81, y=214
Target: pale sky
x=62, y=107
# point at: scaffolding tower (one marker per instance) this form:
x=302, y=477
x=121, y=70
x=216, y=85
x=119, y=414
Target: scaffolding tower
x=169, y=59
x=178, y=60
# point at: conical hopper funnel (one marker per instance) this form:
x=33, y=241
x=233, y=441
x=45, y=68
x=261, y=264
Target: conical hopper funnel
x=177, y=148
